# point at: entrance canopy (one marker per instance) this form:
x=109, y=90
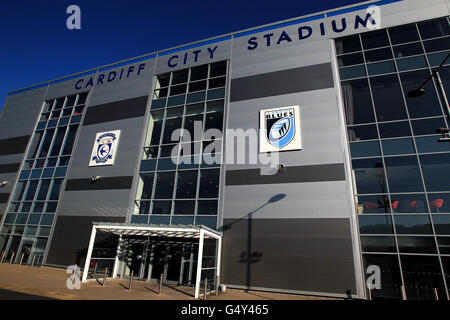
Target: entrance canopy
x=157, y=230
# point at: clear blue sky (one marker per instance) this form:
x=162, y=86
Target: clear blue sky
x=36, y=46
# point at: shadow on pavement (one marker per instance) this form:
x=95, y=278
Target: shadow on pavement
x=12, y=295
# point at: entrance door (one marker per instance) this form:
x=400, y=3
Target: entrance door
x=174, y=262
x=159, y=260
x=134, y=259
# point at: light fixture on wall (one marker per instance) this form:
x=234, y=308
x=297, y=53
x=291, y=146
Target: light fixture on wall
x=3, y=183
x=95, y=178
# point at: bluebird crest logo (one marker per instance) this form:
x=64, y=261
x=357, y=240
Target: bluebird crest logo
x=104, y=148
x=281, y=129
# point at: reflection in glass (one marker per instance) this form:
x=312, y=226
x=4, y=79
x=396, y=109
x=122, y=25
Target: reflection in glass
x=377, y=244
x=373, y=204
x=370, y=224
x=357, y=101
x=357, y=133
x=403, y=174
x=388, y=98
x=412, y=224
x=369, y=176
x=416, y=244
x=436, y=171
x=397, y=146
x=409, y=203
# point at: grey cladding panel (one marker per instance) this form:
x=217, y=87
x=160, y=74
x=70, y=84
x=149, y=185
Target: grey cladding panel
x=325, y=172
x=10, y=167
x=19, y=115
x=275, y=83
x=293, y=254
x=71, y=239
x=107, y=183
x=13, y=145
x=130, y=108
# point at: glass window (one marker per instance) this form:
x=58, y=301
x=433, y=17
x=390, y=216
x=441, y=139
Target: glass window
x=348, y=44
x=218, y=69
x=60, y=133
x=350, y=59
x=435, y=59
x=184, y=207
x=373, y=204
x=32, y=186
x=198, y=73
x=43, y=189
x=162, y=80
x=365, y=149
x=161, y=207
x=378, y=244
x=160, y=93
x=167, y=164
x=434, y=28
x=412, y=63
x=409, y=203
x=397, y=146
x=388, y=98
x=426, y=105
x=145, y=185
x=209, y=183
x=378, y=55
x=441, y=44
x=38, y=206
x=142, y=207
x=402, y=34
x=46, y=143
x=164, y=185
x=187, y=184
x=35, y=144
x=407, y=50
x=51, y=207
x=197, y=86
x=421, y=275
x=180, y=76
x=82, y=97
x=68, y=145
x=439, y=202
x=369, y=224
x=427, y=126
x=170, y=126
x=189, y=125
x=394, y=129
x=176, y=90
x=403, y=174
x=217, y=83
x=416, y=244
x=381, y=68
x=214, y=120
x=357, y=133
x=169, y=150
x=436, y=171
x=369, y=176
x=20, y=190
x=352, y=72
x=207, y=207
x=412, y=224
x=431, y=144
x=357, y=102
x=54, y=193
x=442, y=223
x=375, y=39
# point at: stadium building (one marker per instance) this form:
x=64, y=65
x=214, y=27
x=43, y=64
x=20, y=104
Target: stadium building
x=312, y=152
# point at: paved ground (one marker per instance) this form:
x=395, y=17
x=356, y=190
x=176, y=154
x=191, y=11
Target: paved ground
x=23, y=282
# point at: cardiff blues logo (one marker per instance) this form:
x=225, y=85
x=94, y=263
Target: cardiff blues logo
x=280, y=127
x=104, y=147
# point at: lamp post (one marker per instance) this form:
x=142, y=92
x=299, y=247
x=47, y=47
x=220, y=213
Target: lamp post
x=420, y=91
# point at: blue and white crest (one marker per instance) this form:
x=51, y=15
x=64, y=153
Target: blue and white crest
x=280, y=127
x=104, y=148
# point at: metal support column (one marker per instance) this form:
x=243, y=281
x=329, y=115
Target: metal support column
x=199, y=263
x=89, y=254
x=116, y=260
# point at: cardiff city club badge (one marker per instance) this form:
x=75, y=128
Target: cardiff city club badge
x=104, y=148
x=281, y=129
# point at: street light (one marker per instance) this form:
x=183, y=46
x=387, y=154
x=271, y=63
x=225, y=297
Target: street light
x=420, y=91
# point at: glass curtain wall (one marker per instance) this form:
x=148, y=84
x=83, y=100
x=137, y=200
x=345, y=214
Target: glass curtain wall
x=179, y=178
x=401, y=172
x=29, y=219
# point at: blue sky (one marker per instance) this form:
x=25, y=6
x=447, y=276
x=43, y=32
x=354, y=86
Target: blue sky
x=36, y=45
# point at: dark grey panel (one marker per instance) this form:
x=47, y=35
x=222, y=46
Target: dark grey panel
x=13, y=145
x=125, y=109
x=275, y=83
x=71, y=239
x=4, y=197
x=10, y=167
x=293, y=254
x=105, y=183
x=315, y=173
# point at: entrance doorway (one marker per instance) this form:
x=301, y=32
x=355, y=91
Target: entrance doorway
x=150, y=258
